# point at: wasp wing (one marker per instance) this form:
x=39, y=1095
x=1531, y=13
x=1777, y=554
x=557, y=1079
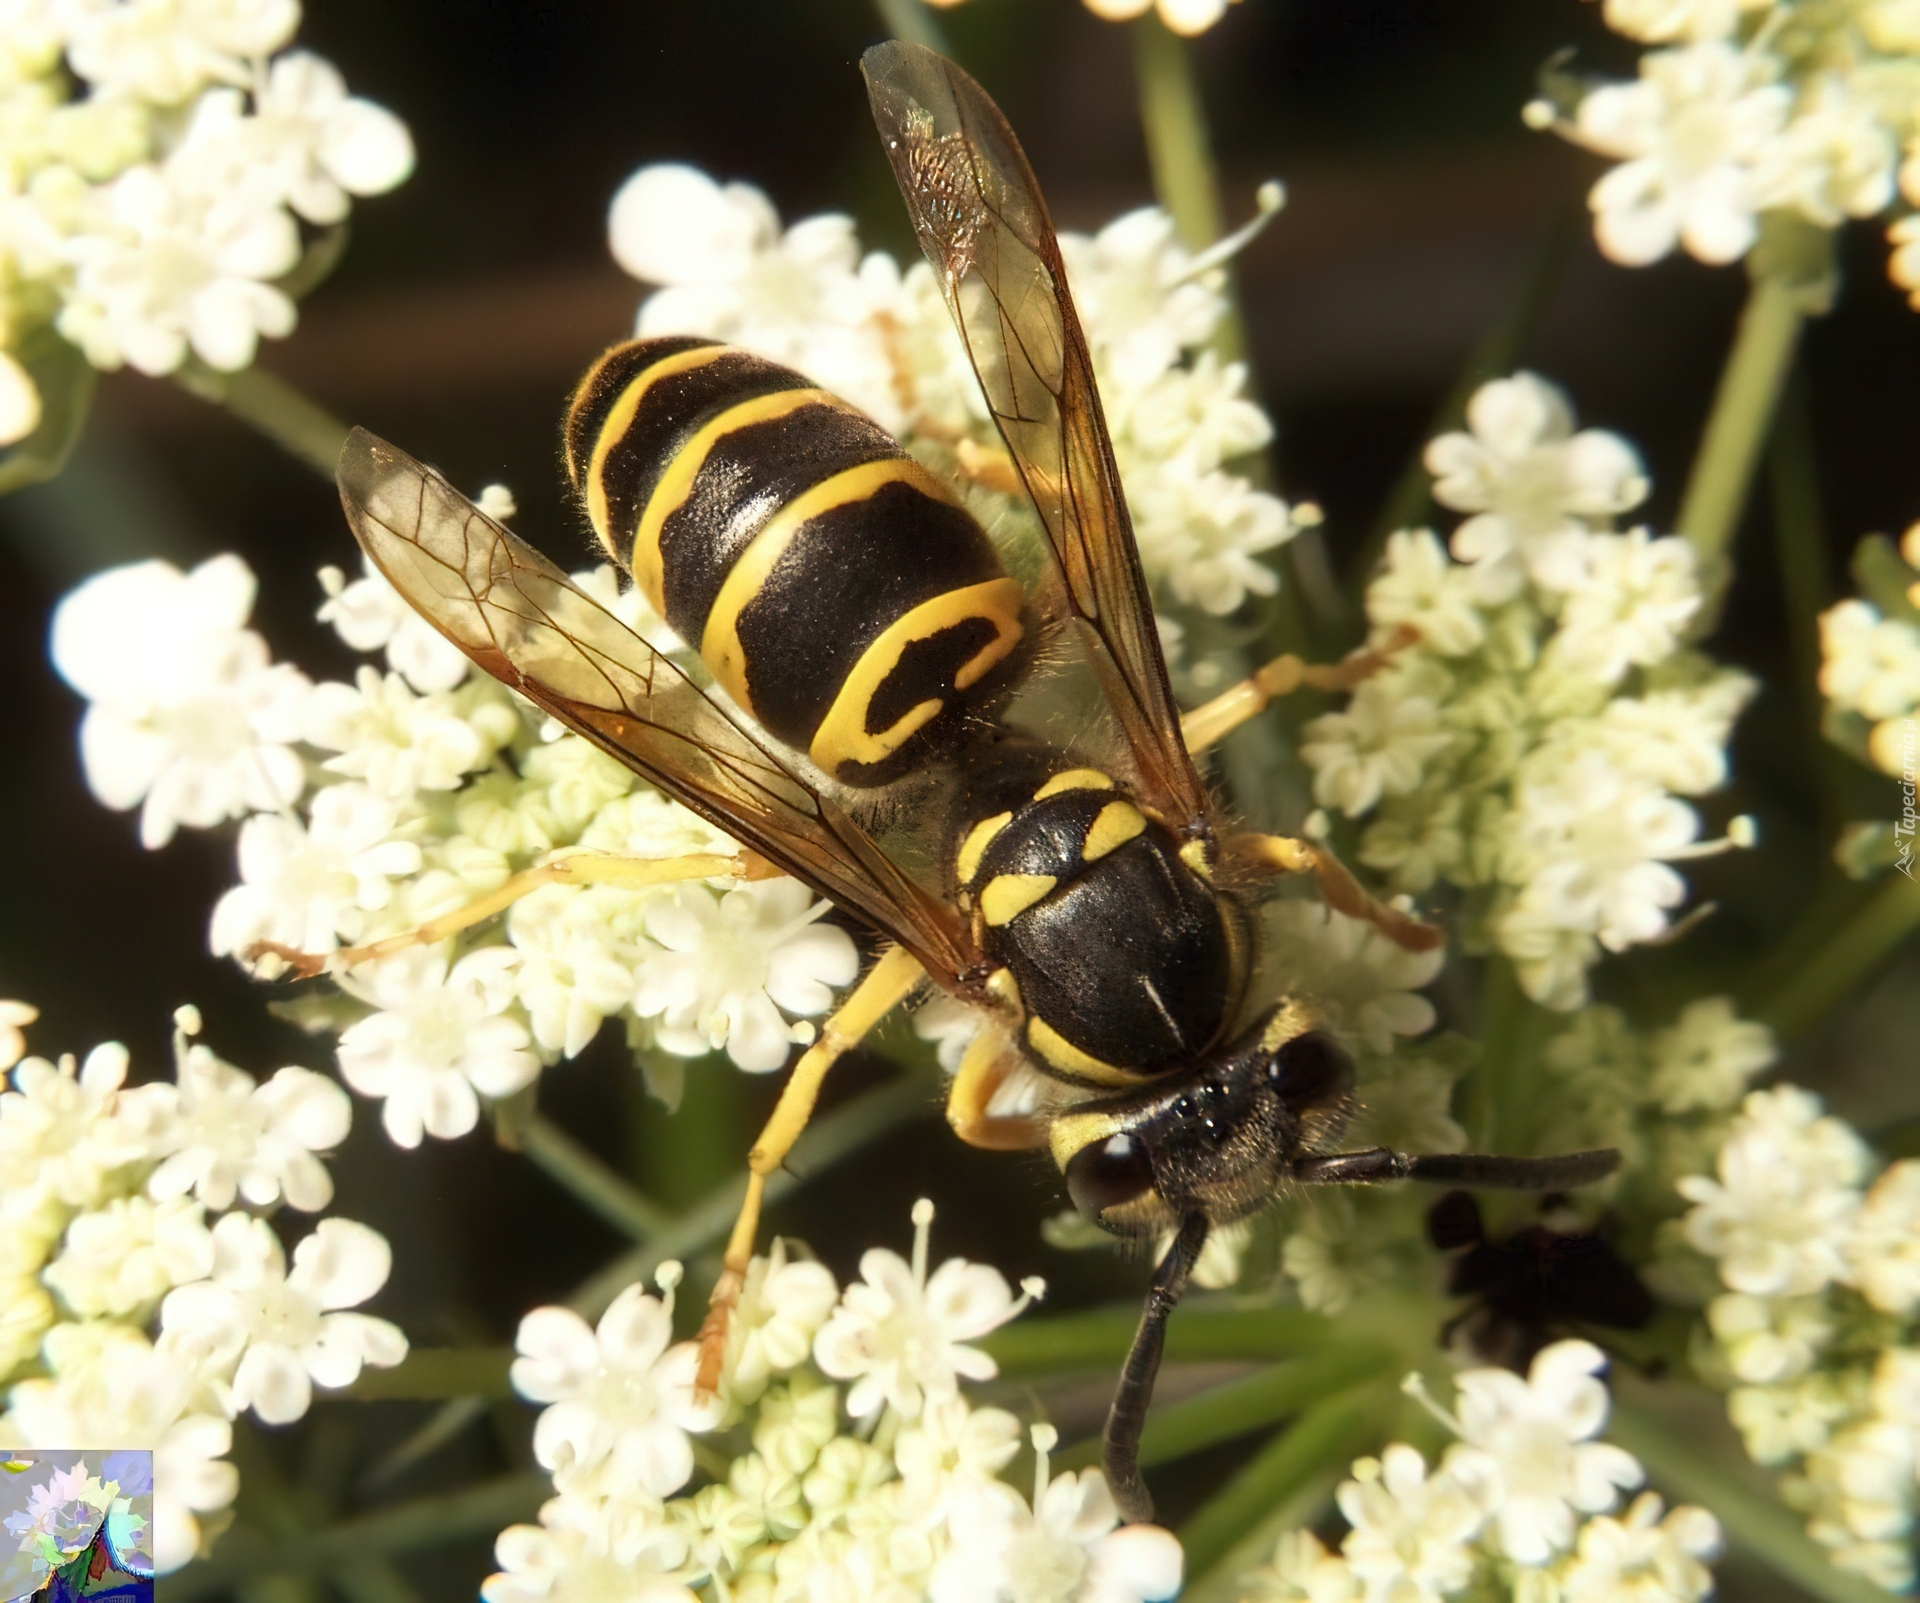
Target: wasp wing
x=520, y=618
x=982, y=222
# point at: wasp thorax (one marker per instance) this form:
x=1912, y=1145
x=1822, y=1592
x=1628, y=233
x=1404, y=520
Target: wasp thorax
x=1221, y=1142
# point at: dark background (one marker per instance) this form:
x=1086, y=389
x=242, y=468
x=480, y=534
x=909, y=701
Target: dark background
x=472, y=297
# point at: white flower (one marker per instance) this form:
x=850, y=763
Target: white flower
x=1869, y=664
x=572, y=974
x=1690, y=133
x=1411, y=1533
x=574, y=1557
x=622, y=1397
x=222, y=1136
x=1188, y=17
x=781, y=1308
x=130, y=1253
x=1419, y=588
x=1833, y=161
x=437, y=1038
x=13, y=1040
x=1140, y=308
x=1767, y=1340
x=173, y=266
x=1529, y=480
x=1660, y=21
x=187, y=711
x=19, y=401
x=1303, y=1571
x=1064, y=1549
x=1780, y=1215
x=108, y=1386
x=1198, y=413
x=1365, y=980
x=308, y=886
x=900, y=1337
x=950, y=1450
x=729, y=964
x=1707, y=1057
x=63, y=1130
x=396, y=741
x=1677, y=738
x=1884, y=1249
x=1533, y=1437
x=1379, y=746
x=1589, y=842
x=1644, y=1558
x=327, y=144
x=1634, y=596
x=370, y=614
x=163, y=50
x=1201, y=530
x=284, y=1328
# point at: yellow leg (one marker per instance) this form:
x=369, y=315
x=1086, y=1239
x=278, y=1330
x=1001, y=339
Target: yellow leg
x=888, y=983
x=1205, y=725
x=990, y=1057
x=582, y=868
x=1338, y=888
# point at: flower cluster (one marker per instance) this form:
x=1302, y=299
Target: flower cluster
x=1519, y=1506
x=1189, y=17
x=159, y=160
x=372, y=806
x=888, y=1491
x=1533, y=746
x=1743, y=109
x=1815, y=1332
x=882, y=338
x=145, y=1298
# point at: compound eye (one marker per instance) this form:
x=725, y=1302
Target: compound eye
x=1310, y=1071
x=1108, y=1173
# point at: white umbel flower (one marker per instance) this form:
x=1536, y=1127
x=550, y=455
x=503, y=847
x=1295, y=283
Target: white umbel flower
x=572, y=1557
x=283, y=1330
x=164, y=50
x=370, y=615
x=1366, y=982
x=1132, y=287
x=1379, y=746
x=1690, y=134
x=63, y=1130
x=1869, y=664
x=187, y=713
x=222, y=1137
x=1411, y=1532
x=1780, y=1215
x=727, y=965
x=439, y=1037
x=326, y=143
x=1200, y=532
x=1885, y=1246
x=127, y=1255
x=622, y=1395
x=1533, y=1439
x=782, y=1306
x=19, y=401
x=1633, y=597
x=1707, y=1057
x=310, y=885
x=394, y=740
x=1644, y=1558
x=900, y=1337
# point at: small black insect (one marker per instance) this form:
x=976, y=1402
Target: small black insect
x=1531, y=1287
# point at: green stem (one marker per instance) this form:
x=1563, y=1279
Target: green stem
x=909, y=20
x=1101, y=1337
x=591, y=1181
x=1324, y=1438
x=270, y=404
x=422, y=1523
x=429, y=1374
x=1181, y=155
x=1249, y=1404
x=1501, y=1092
x=1792, y=278
x=826, y=1142
x=1832, y=971
x=1754, y=1523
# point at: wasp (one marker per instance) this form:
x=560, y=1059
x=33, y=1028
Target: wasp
x=863, y=730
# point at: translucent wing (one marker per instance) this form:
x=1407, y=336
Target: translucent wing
x=520, y=618
x=985, y=229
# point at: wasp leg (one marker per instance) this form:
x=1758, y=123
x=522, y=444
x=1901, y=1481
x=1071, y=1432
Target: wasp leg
x=990, y=1058
x=1206, y=724
x=1338, y=888
x=582, y=868
x=888, y=983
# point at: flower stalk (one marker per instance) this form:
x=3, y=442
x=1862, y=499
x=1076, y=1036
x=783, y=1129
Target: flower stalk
x=591, y=1182
x=301, y=427
x=1827, y=975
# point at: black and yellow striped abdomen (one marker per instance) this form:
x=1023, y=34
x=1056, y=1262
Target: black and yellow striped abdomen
x=834, y=587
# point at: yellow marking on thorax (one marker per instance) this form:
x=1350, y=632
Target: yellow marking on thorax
x=720, y=646
x=1056, y=1050
x=1116, y=823
x=614, y=428
x=1196, y=856
x=1074, y=779
x=843, y=735
x=974, y=847
x=1005, y=989
x=1007, y=896
x=676, y=480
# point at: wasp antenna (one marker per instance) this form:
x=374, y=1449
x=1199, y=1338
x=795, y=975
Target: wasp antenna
x=1562, y=1171
x=1135, y=1392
